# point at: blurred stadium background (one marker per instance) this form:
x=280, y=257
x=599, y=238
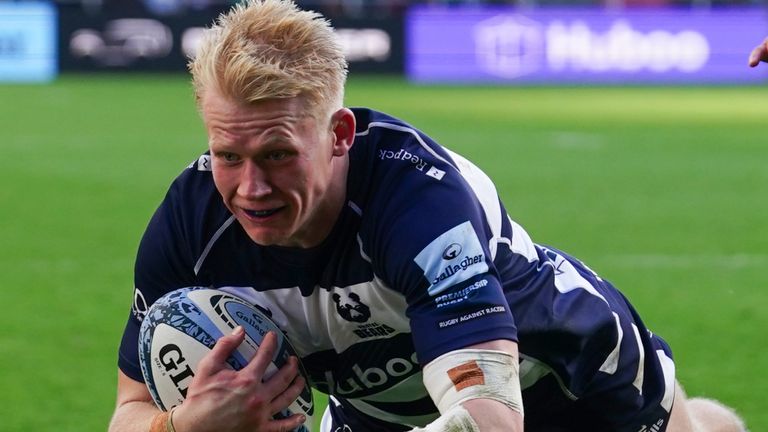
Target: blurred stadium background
x=628, y=132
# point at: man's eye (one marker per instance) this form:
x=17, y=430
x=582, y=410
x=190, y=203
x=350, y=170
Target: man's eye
x=277, y=155
x=228, y=157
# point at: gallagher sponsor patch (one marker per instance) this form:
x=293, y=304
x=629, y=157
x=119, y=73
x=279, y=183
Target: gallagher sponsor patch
x=452, y=258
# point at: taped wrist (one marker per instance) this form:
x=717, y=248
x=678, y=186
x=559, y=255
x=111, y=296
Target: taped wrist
x=456, y=419
x=159, y=421
x=462, y=375
x=163, y=422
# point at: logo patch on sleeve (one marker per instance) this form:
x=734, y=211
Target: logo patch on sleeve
x=452, y=258
x=204, y=163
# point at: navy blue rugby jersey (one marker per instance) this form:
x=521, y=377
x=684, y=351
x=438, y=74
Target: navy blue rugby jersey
x=422, y=260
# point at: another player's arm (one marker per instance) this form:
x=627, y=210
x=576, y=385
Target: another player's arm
x=488, y=376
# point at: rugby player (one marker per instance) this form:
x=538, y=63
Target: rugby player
x=411, y=296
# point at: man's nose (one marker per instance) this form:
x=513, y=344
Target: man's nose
x=254, y=182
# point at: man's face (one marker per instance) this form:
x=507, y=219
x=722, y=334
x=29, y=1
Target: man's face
x=280, y=172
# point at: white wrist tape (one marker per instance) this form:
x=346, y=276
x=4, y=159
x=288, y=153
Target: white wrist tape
x=456, y=419
x=462, y=375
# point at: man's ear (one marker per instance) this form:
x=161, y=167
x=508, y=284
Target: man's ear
x=343, y=128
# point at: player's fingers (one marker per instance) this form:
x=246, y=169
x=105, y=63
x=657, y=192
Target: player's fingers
x=282, y=378
x=216, y=359
x=263, y=357
x=290, y=391
x=754, y=56
x=287, y=424
x=760, y=53
x=284, y=400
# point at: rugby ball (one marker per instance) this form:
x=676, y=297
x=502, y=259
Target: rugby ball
x=182, y=326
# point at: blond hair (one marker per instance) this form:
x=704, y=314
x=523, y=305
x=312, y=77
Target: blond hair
x=267, y=49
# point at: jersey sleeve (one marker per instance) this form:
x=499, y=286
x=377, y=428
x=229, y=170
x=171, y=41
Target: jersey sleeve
x=582, y=341
x=634, y=387
x=165, y=260
x=437, y=222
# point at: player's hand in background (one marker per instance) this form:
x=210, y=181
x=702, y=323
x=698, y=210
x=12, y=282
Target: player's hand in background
x=759, y=54
x=221, y=399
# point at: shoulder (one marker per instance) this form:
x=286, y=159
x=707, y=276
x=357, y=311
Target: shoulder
x=193, y=186
x=400, y=174
x=422, y=206
x=187, y=218
x=387, y=135
x=395, y=159
x=192, y=197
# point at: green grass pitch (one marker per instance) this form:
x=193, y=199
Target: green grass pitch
x=663, y=191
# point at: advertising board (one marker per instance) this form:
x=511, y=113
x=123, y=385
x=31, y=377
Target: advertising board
x=507, y=45
x=140, y=41
x=27, y=42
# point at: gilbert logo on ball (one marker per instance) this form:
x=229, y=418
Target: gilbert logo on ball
x=181, y=328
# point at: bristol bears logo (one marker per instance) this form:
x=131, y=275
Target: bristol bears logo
x=351, y=309
x=139, y=307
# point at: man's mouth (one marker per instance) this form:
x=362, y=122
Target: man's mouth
x=261, y=214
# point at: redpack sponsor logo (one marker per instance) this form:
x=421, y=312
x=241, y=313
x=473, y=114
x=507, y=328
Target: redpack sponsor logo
x=404, y=155
x=418, y=163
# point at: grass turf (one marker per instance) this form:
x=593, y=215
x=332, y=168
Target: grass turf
x=661, y=190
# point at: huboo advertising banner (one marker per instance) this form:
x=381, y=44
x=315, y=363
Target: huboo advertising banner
x=677, y=46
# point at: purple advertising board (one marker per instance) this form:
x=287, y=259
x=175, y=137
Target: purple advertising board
x=507, y=45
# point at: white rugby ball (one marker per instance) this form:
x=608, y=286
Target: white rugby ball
x=182, y=326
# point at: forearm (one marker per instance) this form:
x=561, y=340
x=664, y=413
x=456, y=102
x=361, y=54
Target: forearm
x=476, y=389
x=493, y=416
x=133, y=416
x=477, y=415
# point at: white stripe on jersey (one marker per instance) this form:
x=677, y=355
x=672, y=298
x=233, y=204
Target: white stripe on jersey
x=638, y=382
x=485, y=191
x=356, y=208
x=326, y=423
x=213, y=239
x=668, y=368
x=521, y=242
x=362, y=252
x=612, y=361
x=567, y=278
